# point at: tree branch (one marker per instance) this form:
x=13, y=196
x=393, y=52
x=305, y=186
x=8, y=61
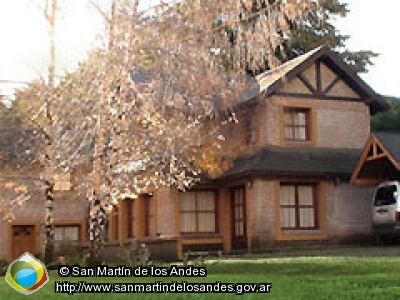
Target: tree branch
x=100, y=10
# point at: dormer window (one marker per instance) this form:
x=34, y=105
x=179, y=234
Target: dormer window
x=297, y=124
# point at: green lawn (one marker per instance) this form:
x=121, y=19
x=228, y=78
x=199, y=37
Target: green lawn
x=353, y=276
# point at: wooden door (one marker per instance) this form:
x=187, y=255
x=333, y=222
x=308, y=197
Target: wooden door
x=238, y=218
x=23, y=240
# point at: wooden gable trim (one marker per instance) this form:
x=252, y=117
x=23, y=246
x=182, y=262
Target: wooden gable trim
x=362, y=160
x=317, y=90
x=318, y=97
x=351, y=78
x=305, y=81
x=278, y=84
x=386, y=153
x=373, y=143
x=318, y=77
x=348, y=75
x=331, y=85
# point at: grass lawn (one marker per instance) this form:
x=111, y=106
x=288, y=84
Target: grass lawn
x=357, y=275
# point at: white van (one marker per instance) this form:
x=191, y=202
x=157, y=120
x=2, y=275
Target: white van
x=386, y=209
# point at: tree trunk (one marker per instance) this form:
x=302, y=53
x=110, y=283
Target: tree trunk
x=49, y=206
x=49, y=226
x=49, y=157
x=97, y=224
x=97, y=215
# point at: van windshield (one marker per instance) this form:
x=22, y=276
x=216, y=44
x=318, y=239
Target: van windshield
x=385, y=195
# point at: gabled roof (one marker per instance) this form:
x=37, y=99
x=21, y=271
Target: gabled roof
x=287, y=161
x=271, y=81
x=391, y=142
x=380, y=159
x=19, y=145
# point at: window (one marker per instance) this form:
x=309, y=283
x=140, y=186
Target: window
x=114, y=222
x=66, y=236
x=386, y=195
x=66, y=233
x=129, y=218
x=62, y=182
x=297, y=124
x=149, y=212
x=197, y=212
x=298, y=207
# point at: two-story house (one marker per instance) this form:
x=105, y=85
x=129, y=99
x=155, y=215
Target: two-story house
x=305, y=129
x=299, y=137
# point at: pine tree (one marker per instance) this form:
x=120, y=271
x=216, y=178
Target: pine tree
x=320, y=30
x=314, y=30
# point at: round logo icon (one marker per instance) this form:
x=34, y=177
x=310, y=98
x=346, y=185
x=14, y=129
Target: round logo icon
x=27, y=274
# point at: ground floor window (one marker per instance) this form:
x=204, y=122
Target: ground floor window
x=66, y=232
x=198, y=212
x=298, y=206
x=113, y=230
x=66, y=236
x=130, y=218
x=149, y=213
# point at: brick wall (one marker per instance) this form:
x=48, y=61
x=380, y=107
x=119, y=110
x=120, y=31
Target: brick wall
x=262, y=220
x=165, y=211
x=68, y=206
x=348, y=122
x=349, y=210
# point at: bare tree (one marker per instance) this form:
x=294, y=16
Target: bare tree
x=148, y=108
x=162, y=80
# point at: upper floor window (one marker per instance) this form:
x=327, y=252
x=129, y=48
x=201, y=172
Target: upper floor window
x=297, y=124
x=62, y=182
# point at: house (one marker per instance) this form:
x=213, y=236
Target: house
x=300, y=136
x=380, y=159
x=25, y=233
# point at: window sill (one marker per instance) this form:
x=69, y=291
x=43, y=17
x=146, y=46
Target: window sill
x=312, y=234
x=200, y=235
x=309, y=143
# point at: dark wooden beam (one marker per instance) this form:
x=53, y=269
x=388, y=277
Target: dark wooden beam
x=376, y=156
x=307, y=83
x=322, y=97
x=331, y=85
x=318, y=77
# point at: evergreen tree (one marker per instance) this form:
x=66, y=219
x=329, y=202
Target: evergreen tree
x=388, y=120
x=316, y=29
x=320, y=30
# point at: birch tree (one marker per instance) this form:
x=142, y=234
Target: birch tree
x=155, y=97
x=148, y=107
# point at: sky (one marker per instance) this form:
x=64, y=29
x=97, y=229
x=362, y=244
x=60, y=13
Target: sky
x=24, y=34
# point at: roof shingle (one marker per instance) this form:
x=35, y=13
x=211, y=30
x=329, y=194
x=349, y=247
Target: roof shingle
x=274, y=160
x=391, y=141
